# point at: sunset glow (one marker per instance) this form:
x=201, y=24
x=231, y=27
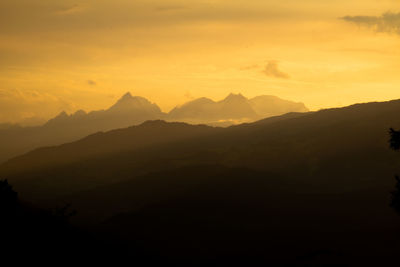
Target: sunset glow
x=70, y=55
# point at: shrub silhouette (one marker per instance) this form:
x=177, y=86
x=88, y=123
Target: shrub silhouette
x=8, y=199
x=395, y=145
x=28, y=229
x=394, y=139
x=395, y=201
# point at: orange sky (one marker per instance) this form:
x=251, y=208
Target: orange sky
x=69, y=55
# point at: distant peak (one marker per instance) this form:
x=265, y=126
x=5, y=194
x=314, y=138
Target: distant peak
x=79, y=113
x=126, y=98
x=127, y=95
x=62, y=114
x=233, y=96
x=200, y=100
x=134, y=103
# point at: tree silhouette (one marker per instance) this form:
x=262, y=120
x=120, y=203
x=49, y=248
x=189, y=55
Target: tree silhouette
x=395, y=202
x=394, y=139
x=8, y=199
x=395, y=145
x=63, y=214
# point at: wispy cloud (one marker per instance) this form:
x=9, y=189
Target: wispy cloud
x=71, y=10
x=188, y=95
x=17, y=104
x=272, y=70
x=250, y=67
x=92, y=83
x=387, y=22
x=170, y=8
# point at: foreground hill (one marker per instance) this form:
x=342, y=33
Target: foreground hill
x=309, y=142
x=299, y=188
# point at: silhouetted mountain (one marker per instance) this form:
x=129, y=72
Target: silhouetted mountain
x=101, y=144
x=236, y=106
x=65, y=128
x=128, y=111
x=197, y=109
x=268, y=106
x=299, y=188
x=32, y=121
x=233, y=109
x=27, y=122
x=311, y=141
x=128, y=103
x=305, y=188
x=4, y=126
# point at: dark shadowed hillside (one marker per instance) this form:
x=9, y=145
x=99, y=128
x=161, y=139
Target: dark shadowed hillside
x=329, y=145
x=304, y=188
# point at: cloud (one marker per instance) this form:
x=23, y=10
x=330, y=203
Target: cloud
x=188, y=95
x=71, y=10
x=91, y=82
x=58, y=17
x=272, y=70
x=250, y=67
x=17, y=105
x=387, y=22
x=169, y=8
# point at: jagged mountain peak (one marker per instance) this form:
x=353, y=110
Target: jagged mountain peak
x=61, y=117
x=129, y=102
x=62, y=114
x=80, y=112
x=235, y=97
x=126, y=96
x=201, y=100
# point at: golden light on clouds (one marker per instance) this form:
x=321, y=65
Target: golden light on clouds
x=68, y=55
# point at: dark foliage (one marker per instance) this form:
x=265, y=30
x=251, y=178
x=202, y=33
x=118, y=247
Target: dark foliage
x=302, y=189
x=37, y=235
x=8, y=199
x=394, y=139
x=395, y=145
x=395, y=203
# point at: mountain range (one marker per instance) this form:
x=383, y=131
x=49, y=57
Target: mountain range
x=301, y=187
x=132, y=110
x=233, y=109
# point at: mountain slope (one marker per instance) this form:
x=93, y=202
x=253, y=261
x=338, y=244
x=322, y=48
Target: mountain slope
x=318, y=147
x=303, y=187
x=143, y=136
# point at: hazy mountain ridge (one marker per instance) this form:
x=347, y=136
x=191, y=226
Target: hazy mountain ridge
x=143, y=136
x=127, y=111
x=234, y=108
x=66, y=128
x=308, y=142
